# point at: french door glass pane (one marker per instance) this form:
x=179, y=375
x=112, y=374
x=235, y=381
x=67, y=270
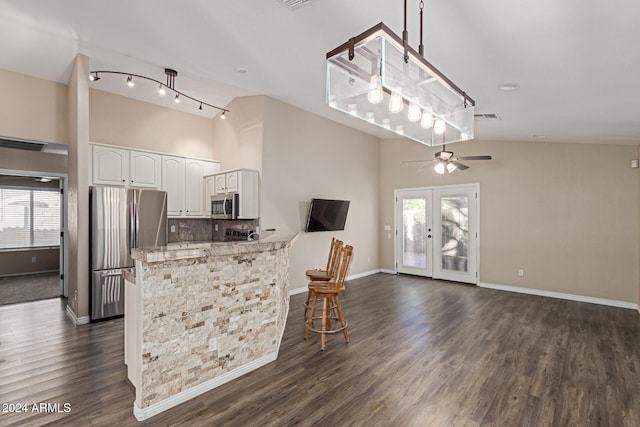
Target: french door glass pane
x=455, y=232
x=414, y=244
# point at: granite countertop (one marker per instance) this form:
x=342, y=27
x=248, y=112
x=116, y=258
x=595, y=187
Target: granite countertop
x=185, y=250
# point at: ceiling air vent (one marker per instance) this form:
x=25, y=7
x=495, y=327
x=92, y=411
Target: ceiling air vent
x=292, y=4
x=487, y=116
x=22, y=144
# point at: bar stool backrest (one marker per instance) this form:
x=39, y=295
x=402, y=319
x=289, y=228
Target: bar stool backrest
x=334, y=257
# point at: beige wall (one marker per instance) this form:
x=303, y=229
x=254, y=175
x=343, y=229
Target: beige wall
x=33, y=108
x=127, y=122
x=565, y=213
x=238, y=138
x=31, y=161
x=20, y=262
x=307, y=156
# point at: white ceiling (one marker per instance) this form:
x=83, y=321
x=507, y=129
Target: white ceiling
x=576, y=61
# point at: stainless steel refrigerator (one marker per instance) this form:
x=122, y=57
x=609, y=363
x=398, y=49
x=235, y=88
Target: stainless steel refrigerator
x=121, y=219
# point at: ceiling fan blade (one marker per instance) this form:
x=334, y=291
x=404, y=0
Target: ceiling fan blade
x=459, y=165
x=417, y=161
x=474, y=158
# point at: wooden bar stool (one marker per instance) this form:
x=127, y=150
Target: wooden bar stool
x=329, y=292
x=324, y=275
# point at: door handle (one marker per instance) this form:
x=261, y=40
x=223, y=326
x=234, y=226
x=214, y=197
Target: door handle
x=111, y=274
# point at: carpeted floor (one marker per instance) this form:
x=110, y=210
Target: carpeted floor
x=31, y=287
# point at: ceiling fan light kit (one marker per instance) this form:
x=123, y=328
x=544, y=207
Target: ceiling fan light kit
x=376, y=76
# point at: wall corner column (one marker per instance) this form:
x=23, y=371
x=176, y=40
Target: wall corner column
x=78, y=188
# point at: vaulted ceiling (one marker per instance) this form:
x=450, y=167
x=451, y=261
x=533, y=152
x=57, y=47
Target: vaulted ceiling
x=576, y=62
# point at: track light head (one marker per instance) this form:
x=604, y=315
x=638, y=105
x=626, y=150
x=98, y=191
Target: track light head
x=130, y=81
x=222, y=116
x=200, y=108
x=94, y=77
x=161, y=90
x=177, y=98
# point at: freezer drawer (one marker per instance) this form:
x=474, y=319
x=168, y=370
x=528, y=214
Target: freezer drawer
x=107, y=294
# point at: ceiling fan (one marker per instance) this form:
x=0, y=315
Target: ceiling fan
x=446, y=163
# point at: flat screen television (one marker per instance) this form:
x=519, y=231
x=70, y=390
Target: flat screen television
x=327, y=215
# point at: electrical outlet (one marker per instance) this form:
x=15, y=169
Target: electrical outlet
x=215, y=227
x=173, y=228
x=33, y=259
x=75, y=295
x=387, y=228
x=521, y=272
x=213, y=344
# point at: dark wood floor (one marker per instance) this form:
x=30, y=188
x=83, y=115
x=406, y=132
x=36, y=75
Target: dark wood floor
x=422, y=353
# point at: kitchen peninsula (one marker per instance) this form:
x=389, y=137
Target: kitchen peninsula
x=200, y=314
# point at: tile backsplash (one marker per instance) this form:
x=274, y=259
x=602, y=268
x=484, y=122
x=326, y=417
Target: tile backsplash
x=203, y=229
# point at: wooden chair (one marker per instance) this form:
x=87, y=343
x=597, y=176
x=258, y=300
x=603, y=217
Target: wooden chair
x=327, y=274
x=329, y=292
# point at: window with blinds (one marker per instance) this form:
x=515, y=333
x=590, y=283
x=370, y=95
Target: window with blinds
x=29, y=217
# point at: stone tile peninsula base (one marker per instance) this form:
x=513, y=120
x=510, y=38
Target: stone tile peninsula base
x=198, y=315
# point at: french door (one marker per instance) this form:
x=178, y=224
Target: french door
x=437, y=232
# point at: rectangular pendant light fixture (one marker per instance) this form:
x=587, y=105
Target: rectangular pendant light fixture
x=368, y=78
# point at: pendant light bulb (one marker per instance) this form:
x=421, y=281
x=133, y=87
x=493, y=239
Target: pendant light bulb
x=396, y=103
x=177, y=98
x=439, y=168
x=370, y=117
x=130, y=81
x=439, y=127
x=161, y=90
x=451, y=167
x=375, y=95
x=427, y=118
x=415, y=112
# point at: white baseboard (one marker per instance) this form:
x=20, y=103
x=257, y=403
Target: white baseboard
x=352, y=277
x=82, y=320
x=363, y=274
x=560, y=295
x=384, y=270
x=142, y=414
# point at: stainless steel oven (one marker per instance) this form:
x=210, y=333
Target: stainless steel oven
x=224, y=206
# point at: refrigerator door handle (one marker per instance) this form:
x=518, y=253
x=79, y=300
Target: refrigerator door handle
x=111, y=274
x=133, y=223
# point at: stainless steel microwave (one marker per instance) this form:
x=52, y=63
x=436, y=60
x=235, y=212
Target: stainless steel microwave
x=225, y=206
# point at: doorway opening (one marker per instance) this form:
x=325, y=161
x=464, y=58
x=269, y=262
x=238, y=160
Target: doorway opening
x=437, y=232
x=33, y=255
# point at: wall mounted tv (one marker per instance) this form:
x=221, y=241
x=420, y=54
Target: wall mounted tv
x=327, y=215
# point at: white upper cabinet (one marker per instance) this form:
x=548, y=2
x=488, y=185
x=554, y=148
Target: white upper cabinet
x=173, y=184
x=145, y=169
x=232, y=182
x=110, y=166
x=220, y=184
x=194, y=189
x=183, y=180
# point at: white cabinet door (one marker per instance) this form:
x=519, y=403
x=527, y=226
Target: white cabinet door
x=110, y=166
x=232, y=182
x=145, y=169
x=220, y=184
x=209, y=190
x=194, y=189
x=173, y=172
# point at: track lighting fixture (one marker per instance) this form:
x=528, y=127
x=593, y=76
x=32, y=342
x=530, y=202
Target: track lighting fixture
x=162, y=87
